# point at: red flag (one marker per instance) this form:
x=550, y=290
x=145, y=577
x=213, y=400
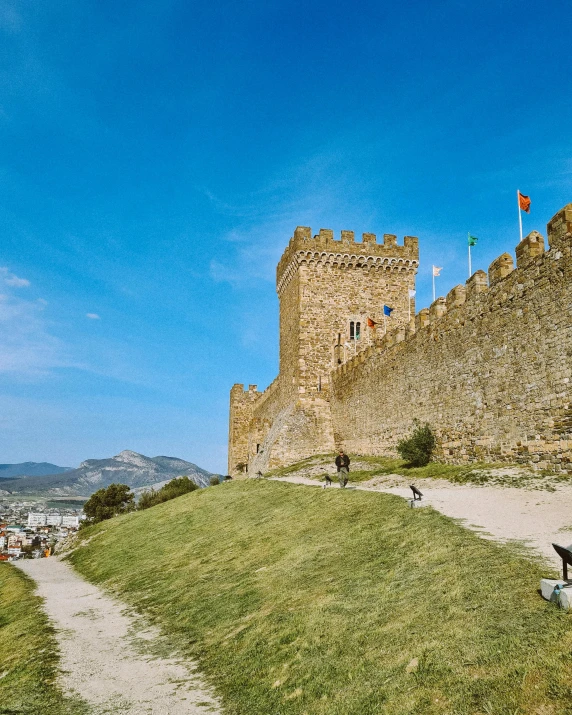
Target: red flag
x=371, y=323
x=524, y=202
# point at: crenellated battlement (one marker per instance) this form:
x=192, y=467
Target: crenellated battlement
x=461, y=298
x=269, y=392
x=560, y=225
x=323, y=249
x=488, y=365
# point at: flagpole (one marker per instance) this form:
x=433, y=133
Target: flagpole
x=409, y=309
x=470, y=271
x=433, y=284
x=519, y=212
x=384, y=324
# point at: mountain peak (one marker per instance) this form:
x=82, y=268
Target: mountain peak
x=131, y=457
x=128, y=467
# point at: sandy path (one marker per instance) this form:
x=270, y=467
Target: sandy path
x=103, y=650
x=536, y=518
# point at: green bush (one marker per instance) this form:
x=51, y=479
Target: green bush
x=213, y=481
x=175, y=488
x=417, y=449
x=106, y=503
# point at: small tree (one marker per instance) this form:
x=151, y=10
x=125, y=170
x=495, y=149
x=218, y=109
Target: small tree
x=417, y=449
x=147, y=499
x=173, y=489
x=106, y=503
x=213, y=481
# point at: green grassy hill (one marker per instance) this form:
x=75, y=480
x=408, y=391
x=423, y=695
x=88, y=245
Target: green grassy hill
x=28, y=652
x=310, y=601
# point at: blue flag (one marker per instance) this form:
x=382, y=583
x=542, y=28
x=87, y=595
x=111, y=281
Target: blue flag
x=387, y=310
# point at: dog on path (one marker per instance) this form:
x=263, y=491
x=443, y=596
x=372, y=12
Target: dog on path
x=328, y=481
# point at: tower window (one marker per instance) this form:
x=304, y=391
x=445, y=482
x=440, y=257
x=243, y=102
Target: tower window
x=358, y=331
x=352, y=330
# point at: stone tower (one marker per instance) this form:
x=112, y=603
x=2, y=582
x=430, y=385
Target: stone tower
x=327, y=290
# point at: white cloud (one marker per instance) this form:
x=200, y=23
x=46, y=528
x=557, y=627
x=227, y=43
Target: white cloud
x=319, y=191
x=92, y=316
x=27, y=348
x=11, y=279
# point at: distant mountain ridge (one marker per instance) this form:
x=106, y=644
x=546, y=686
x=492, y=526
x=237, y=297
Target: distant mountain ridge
x=30, y=469
x=131, y=468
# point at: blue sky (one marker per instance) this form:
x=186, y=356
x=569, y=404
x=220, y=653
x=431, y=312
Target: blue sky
x=157, y=156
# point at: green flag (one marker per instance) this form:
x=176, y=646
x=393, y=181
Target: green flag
x=472, y=240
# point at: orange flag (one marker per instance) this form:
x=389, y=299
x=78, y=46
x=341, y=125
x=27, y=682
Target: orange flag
x=371, y=323
x=524, y=202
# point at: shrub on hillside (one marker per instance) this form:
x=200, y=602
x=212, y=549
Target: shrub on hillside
x=417, y=449
x=106, y=503
x=175, y=488
x=213, y=481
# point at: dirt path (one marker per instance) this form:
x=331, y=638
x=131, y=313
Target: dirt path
x=106, y=652
x=536, y=518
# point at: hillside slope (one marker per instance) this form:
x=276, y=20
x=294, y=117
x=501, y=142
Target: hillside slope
x=131, y=468
x=298, y=600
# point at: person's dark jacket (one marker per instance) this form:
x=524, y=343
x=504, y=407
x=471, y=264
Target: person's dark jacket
x=343, y=461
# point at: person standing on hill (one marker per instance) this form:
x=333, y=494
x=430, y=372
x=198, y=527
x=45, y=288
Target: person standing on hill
x=343, y=466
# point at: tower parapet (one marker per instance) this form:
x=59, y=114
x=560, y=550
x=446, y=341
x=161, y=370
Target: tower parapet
x=324, y=249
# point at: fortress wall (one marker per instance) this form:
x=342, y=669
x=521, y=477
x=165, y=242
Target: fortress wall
x=489, y=366
x=290, y=430
x=241, y=406
x=265, y=411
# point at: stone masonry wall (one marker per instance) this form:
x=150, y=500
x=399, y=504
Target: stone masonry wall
x=241, y=403
x=322, y=284
x=489, y=366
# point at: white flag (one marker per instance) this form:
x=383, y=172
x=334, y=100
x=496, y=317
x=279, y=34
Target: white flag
x=437, y=270
x=412, y=294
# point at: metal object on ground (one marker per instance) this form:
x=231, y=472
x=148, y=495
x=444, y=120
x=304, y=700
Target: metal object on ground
x=565, y=553
x=416, y=493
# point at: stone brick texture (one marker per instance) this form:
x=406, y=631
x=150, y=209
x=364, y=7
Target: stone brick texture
x=488, y=366
x=323, y=284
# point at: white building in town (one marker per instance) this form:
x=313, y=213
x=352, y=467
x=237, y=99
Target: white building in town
x=36, y=519
x=71, y=522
